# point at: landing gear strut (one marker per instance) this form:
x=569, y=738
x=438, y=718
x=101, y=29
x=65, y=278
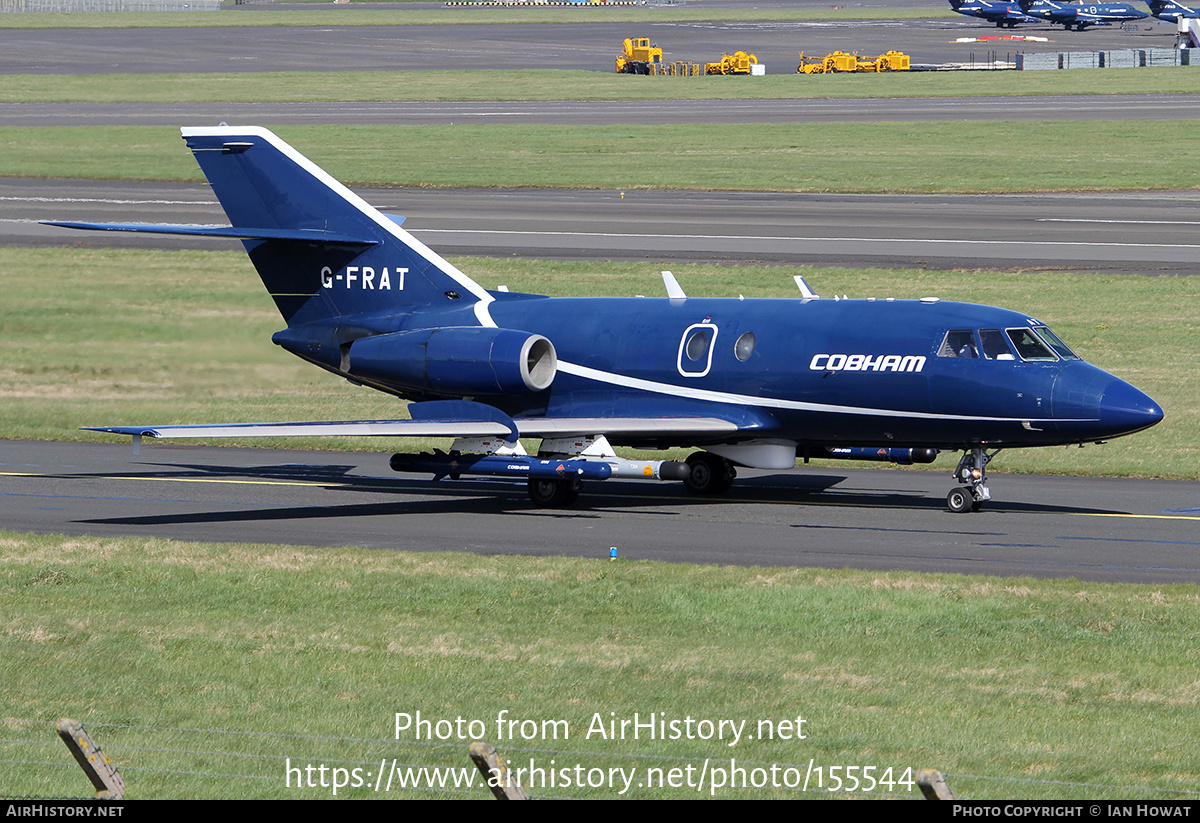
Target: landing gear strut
x=710, y=474
x=971, y=471
x=554, y=494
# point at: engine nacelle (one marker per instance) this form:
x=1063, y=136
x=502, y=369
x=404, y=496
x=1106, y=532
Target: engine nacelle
x=457, y=361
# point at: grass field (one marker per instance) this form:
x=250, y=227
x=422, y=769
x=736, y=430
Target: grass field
x=201, y=668
x=854, y=157
x=184, y=337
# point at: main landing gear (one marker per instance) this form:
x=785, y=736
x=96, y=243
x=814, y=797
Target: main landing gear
x=710, y=474
x=554, y=494
x=971, y=471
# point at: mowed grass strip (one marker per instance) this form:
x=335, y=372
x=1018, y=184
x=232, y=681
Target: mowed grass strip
x=1015, y=688
x=1003, y=156
x=140, y=338
x=566, y=84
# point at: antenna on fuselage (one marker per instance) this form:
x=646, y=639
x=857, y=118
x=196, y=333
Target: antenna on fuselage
x=805, y=291
x=674, y=290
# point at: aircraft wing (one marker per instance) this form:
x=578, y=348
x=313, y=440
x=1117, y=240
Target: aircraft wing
x=525, y=427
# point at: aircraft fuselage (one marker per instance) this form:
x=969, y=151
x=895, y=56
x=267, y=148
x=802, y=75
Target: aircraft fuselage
x=1081, y=16
x=1002, y=14
x=822, y=372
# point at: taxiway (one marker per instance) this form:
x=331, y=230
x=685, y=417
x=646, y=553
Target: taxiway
x=1088, y=528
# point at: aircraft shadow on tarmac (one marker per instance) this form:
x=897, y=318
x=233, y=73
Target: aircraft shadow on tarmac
x=481, y=496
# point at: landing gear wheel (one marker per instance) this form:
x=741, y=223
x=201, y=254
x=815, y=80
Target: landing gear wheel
x=960, y=500
x=972, y=471
x=710, y=474
x=554, y=494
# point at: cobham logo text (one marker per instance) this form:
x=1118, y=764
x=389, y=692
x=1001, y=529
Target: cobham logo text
x=866, y=362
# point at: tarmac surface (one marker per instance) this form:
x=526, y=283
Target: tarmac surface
x=1111, y=232
x=588, y=46
x=1088, y=528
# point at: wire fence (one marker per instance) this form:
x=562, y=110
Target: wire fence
x=1114, y=59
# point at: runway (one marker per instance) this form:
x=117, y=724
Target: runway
x=589, y=45
x=1116, y=232
x=1094, y=529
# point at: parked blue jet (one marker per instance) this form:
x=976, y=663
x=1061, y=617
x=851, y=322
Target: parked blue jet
x=993, y=11
x=756, y=383
x=1171, y=10
x=1079, y=16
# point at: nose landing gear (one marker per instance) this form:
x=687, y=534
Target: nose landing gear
x=972, y=472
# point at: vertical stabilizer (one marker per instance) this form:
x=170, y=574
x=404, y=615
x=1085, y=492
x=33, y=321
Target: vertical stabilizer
x=320, y=249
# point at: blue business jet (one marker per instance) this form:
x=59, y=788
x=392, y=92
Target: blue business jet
x=1002, y=14
x=755, y=383
x=1079, y=16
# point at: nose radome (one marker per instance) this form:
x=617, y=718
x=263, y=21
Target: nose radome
x=1125, y=409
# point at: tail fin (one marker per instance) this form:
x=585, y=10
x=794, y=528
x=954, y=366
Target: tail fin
x=1170, y=8
x=320, y=249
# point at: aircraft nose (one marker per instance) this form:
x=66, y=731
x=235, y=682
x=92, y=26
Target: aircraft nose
x=1125, y=409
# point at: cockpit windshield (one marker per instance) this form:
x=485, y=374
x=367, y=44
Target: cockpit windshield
x=1056, y=343
x=1034, y=344
x=1029, y=345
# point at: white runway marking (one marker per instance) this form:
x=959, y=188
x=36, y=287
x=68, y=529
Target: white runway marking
x=785, y=239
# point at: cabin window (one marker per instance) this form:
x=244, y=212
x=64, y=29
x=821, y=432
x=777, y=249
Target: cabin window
x=1056, y=343
x=995, y=346
x=958, y=343
x=695, y=350
x=744, y=347
x=1029, y=345
x=697, y=344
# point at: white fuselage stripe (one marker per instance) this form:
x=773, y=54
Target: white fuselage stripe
x=710, y=396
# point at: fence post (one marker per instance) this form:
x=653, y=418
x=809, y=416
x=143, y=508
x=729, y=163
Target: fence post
x=495, y=772
x=933, y=785
x=95, y=764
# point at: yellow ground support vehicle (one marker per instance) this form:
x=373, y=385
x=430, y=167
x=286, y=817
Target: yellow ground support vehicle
x=838, y=61
x=737, y=63
x=640, y=54
x=841, y=61
x=893, y=61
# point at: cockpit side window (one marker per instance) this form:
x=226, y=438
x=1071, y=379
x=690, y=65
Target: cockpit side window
x=1029, y=345
x=994, y=345
x=1056, y=343
x=958, y=343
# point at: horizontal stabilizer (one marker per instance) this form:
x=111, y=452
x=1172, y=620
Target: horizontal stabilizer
x=309, y=235
x=530, y=427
